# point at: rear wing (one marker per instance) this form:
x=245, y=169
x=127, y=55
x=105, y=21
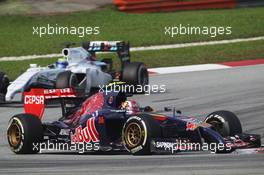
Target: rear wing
x=122, y=48
x=34, y=100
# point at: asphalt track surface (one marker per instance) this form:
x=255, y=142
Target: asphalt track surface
x=240, y=90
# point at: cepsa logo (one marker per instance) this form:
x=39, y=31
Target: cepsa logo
x=32, y=99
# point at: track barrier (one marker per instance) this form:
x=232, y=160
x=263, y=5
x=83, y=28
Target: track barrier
x=143, y=6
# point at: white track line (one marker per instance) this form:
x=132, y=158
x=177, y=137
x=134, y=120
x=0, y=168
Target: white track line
x=190, y=68
x=206, y=43
x=158, y=47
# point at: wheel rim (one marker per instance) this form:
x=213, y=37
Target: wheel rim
x=14, y=134
x=217, y=126
x=133, y=135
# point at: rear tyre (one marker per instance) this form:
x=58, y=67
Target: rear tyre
x=23, y=132
x=225, y=123
x=66, y=79
x=135, y=74
x=138, y=132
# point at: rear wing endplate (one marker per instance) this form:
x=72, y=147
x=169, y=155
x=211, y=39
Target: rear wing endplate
x=34, y=100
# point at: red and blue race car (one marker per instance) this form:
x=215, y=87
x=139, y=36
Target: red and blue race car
x=109, y=122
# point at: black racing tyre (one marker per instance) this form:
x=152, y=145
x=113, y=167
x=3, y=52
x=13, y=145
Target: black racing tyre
x=138, y=132
x=66, y=79
x=135, y=73
x=225, y=123
x=4, y=82
x=23, y=132
x=2, y=98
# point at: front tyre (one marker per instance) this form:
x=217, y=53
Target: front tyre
x=4, y=83
x=225, y=123
x=23, y=132
x=138, y=132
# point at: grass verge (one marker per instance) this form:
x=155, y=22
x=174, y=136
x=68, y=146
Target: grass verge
x=16, y=31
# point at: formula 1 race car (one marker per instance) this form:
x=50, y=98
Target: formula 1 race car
x=80, y=69
x=109, y=121
x=4, y=83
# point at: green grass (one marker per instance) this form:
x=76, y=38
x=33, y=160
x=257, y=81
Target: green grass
x=168, y=57
x=201, y=54
x=140, y=29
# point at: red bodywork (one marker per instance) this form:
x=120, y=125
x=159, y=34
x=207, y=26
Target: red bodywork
x=34, y=100
x=89, y=106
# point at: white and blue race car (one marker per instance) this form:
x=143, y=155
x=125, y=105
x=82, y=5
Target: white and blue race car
x=79, y=69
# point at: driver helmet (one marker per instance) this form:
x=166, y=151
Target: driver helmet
x=131, y=106
x=62, y=63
